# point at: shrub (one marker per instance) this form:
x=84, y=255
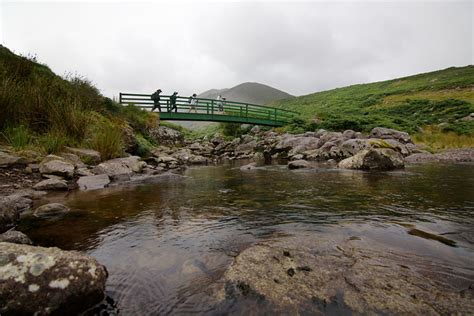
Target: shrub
x=144, y=146
x=18, y=137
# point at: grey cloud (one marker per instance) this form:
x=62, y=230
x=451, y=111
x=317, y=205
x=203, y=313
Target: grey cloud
x=299, y=47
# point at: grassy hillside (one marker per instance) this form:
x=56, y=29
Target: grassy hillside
x=42, y=111
x=435, y=101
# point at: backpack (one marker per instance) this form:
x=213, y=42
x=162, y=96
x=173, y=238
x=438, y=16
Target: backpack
x=153, y=96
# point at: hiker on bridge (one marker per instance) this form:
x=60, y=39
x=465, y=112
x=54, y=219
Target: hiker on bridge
x=220, y=104
x=193, y=102
x=173, y=98
x=156, y=100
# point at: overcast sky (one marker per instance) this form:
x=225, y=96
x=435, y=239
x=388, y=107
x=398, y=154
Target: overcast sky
x=299, y=47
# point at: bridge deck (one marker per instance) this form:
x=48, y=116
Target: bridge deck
x=211, y=110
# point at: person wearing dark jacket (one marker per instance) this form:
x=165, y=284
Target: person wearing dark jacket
x=156, y=100
x=173, y=102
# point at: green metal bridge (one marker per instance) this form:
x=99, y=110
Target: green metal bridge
x=211, y=110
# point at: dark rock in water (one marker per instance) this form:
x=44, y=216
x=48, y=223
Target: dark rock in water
x=51, y=210
x=286, y=253
x=43, y=281
x=250, y=166
x=304, y=268
x=298, y=164
x=15, y=237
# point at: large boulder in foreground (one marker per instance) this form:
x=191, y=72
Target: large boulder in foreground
x=166, y=136
x=43, y=281
x=314, y=274
x=374, y=159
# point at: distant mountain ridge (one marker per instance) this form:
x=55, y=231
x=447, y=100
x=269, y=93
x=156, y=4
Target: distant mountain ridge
x=248, y=92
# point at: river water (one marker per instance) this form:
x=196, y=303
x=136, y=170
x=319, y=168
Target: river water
x=165, y=244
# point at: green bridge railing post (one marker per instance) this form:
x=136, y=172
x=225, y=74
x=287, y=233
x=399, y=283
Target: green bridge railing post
x=275, y=114
x=120, y=97
x=212, y=108
x=247, y=112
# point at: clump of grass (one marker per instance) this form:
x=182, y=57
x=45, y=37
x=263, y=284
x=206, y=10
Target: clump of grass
x=53, y=142
x=18, y=137
x=107, y=140
x=436, y=139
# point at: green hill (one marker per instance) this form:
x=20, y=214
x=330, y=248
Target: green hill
x=438, y=99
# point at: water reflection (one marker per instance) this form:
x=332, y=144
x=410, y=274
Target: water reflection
x=165, y=243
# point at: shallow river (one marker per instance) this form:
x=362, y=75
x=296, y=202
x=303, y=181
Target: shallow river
x=165, y=243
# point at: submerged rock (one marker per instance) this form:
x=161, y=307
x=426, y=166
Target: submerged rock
x=15, y=237
x=374, y=159
x=51, y=210
x=250, y=166
x=43, y=281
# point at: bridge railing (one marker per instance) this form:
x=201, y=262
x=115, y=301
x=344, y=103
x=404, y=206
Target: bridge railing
x=210, y=108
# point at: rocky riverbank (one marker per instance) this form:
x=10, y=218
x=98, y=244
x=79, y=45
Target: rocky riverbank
x=27, y=176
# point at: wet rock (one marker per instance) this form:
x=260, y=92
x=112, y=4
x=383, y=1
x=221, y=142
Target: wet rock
x=255, y=130
x=387, y=133
x=88, y=156
x=298, y=164
x=43, y=281
x=51, y=210
x=56, y=165
x=15, y=237
x=93, y=182
x=8, y=160
x=326, y=276
x=166, y=136
x=51, y=184
x=374, y=159
x=250, y=166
